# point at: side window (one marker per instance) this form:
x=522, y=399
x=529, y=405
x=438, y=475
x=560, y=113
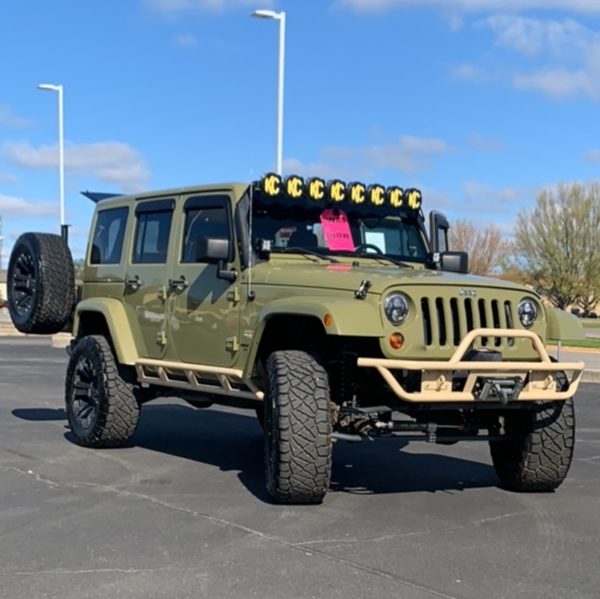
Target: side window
x=107, y=243
x=152, y=237
x=203, y=221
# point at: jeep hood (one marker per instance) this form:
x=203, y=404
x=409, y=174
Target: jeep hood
x=348, y=277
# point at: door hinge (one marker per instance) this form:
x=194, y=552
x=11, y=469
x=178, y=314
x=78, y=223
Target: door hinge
x=232, y=344
x=234, y=295
x=163, y=294
x=161, y=338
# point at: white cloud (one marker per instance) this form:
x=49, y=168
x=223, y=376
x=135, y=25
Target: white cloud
x=187, y=40
x=582, y=6
x=533, y=37
x=488, y=199
x=8, y=118
x=592, y=157
x=12, y=207
x=471, y=73
x=485, y=144
x=434, y=199
x=455, y=22
x=173, y=7
x=560, y=83
x=564, y=56
x=9, y=179
x=315, y=169
x=111, y=162
x=407, y=154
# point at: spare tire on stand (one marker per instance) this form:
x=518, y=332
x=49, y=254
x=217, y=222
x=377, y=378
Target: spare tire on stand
x=40, y=284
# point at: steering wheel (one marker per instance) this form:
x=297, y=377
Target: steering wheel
x=368, y=246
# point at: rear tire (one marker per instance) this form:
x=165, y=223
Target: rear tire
x=537, y=456
x=41, y=284
x=298, y=443
x=102, y=409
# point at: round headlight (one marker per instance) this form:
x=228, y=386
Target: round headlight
x=528, y=312
x=396, y=308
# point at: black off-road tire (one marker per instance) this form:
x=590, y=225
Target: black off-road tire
x=102, y=409
x=298, y=443
x=40, y=284
x=537, y=456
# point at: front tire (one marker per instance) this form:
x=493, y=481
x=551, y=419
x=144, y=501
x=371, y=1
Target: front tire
x=102, y=409
x=298, y=443
x=537, y=455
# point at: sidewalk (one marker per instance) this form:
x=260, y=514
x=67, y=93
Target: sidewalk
x=590, y=357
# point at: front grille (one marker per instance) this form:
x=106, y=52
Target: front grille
x=447, y=322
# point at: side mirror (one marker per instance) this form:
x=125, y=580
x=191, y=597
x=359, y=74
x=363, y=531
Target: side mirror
x=438, y=232
x=213, y=249
x=216, y=250
x=455, y=262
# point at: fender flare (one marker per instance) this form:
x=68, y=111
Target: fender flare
x=118, y=326
x=351, y=318
x=562, y=325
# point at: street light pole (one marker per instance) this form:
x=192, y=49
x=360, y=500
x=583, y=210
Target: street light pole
x=61, y=155
x=269, y=14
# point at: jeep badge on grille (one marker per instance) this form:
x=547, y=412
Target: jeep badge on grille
x=467, y=293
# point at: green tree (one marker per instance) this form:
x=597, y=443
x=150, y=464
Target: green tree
x=557, y=244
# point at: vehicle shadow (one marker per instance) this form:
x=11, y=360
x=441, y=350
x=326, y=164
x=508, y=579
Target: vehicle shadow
x=383, y=467
x=234, y=442
x=39, y=414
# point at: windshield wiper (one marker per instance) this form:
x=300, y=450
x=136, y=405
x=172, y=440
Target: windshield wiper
x=306, y=252
x=381, y=257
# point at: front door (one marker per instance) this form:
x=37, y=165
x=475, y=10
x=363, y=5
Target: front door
x=204, y=309
x=146, y=278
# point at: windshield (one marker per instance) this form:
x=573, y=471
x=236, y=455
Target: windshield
x=341, y=232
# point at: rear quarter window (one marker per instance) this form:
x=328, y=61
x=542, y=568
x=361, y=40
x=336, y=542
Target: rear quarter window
x=109, y=233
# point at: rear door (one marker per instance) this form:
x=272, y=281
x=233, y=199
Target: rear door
x=146, y=276
x=204, y=310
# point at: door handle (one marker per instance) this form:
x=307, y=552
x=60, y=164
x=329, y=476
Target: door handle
x=134, y=283
x=179, y=284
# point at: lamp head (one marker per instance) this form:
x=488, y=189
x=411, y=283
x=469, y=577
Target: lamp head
x=266, y=14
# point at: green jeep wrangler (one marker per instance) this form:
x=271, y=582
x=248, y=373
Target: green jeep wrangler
x=324, y=306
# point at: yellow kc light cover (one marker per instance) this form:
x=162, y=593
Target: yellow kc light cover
x=335, y=191
x=357, y=193
x=294, y=187
x=376, y=195
x=395, y=196
x=315, y=188
x=414, y=199
x=271, y=184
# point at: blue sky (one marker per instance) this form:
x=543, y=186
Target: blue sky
x=481, y=103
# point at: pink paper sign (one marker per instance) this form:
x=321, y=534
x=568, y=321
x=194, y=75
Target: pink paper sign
x=336, y=228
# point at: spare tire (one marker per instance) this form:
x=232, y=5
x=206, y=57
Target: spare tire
x=40, y=284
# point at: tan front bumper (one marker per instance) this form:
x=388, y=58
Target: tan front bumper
x=436, y=376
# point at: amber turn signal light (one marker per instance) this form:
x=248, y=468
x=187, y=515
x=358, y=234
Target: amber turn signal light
x=327, y=320
x=396, y=340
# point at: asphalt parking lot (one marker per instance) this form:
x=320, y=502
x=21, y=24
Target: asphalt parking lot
x=182, y=511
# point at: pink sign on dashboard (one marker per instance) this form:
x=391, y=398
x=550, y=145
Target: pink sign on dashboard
x=336, y=228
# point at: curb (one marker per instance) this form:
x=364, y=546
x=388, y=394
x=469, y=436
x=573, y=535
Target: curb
x=61, y=340
x=590, y=376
